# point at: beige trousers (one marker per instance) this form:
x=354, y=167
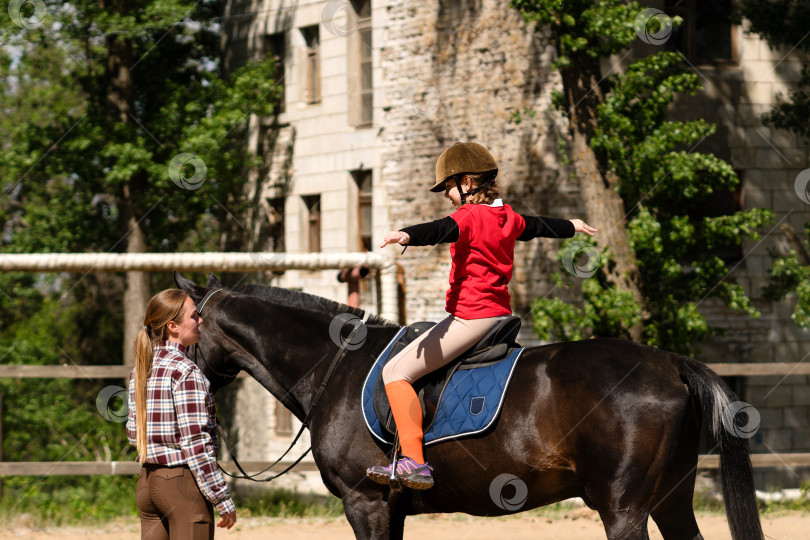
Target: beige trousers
x=438, y=346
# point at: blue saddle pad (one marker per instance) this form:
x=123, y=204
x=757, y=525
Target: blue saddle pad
x=469, y=404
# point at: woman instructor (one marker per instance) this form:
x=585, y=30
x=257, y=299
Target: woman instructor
x=172, y=419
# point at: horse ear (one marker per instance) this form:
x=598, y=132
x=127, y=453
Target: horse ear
x=213, y=282
x=192, y=289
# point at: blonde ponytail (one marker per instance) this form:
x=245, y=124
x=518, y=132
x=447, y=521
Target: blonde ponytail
x=143, y=364
x=165, y=306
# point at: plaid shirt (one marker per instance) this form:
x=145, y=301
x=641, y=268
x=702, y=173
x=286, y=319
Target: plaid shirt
x=181, y=421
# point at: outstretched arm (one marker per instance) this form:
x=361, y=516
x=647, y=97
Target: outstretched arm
x=441, y=231
x=538, y=226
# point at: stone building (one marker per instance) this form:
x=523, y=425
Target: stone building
x=374, y=90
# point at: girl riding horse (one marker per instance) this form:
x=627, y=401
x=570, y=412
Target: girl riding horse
x=482, y=233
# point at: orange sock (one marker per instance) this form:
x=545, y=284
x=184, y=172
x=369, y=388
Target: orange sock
x=408, y=416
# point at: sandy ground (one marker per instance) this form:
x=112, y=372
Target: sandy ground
x=579, y=524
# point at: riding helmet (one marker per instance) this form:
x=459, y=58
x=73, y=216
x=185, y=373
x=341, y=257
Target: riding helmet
x=461, y=158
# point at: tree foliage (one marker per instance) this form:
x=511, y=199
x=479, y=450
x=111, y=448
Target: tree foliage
x=66, y=160
x=72, y=167
x=791, y=274
x=662, y=180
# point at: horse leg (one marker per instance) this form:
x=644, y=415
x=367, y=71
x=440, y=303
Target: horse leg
x=397, y=525
x=672, y=510
x=369, y=518
x=625, y=523
x=672, y=505
x=675, y=517
x=623, y=499
x=654, y=473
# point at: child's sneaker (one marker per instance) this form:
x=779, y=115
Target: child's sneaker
x=409, y=472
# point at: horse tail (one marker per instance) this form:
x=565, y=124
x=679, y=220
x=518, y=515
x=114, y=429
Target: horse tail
x=719, y=405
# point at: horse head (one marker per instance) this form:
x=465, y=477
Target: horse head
x=242, y=331
x=211, y=353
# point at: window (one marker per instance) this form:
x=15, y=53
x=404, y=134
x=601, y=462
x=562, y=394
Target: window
x=363, y=180
x=275, y=230
x=707, y=34
x=366, y=89
x=361, y=83
x=312, y=63
x=720, y=203
x=313, y=204
x=283, y=420
x=274, y=47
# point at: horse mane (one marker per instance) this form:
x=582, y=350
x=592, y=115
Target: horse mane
x=311, y=302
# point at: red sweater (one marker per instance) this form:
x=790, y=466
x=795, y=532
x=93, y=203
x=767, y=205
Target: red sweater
x=483, y=241
x=482, y=260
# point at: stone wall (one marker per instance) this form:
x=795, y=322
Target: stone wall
x=460, y=71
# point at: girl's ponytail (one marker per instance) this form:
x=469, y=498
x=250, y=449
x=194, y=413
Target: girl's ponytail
x=165, y=306
x=143, y=363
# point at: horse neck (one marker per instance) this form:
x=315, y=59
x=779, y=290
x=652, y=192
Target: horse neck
x=292, y=354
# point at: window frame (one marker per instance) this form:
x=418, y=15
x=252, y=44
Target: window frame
x=687, y=10
x=276, y=45
x=361, y=59
x=312, y=64
x=313, y=221
x=364, y=201
x=283, y=420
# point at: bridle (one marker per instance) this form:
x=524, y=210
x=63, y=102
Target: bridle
x=201, y=361
x=304, y=425
x=205, y=299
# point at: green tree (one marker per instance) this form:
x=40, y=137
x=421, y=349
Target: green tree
x=104, y=107
x=57, y=420
x=122, y=133
x=641, y=185
x=784, y=23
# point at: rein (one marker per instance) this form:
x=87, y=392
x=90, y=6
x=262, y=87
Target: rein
x=305, y=424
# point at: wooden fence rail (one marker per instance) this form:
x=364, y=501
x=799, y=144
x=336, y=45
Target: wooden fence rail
x=45, y=468
x=93, y=468
x=66, y=371
x=76, y=371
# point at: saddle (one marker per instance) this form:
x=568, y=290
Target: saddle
x=495, y=346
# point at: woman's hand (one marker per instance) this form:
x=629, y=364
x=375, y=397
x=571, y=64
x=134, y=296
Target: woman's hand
x=227, y=520
x=581, y=226
x=395, y=237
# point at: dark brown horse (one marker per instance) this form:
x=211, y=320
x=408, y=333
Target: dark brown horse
x=610, y=421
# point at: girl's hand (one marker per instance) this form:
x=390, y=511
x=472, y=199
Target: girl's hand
x=395, y=237
x=581, y=226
